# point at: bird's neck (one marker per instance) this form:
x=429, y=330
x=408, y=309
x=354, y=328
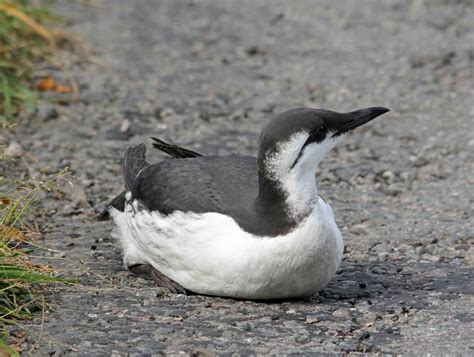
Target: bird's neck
x=287, y=182
x=301, y=192
x=293, y=198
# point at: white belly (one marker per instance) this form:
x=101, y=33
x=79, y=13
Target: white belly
x=210, y=254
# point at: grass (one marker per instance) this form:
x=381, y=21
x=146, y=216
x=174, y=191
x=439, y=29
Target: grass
x=19, y=276
x=24, y=43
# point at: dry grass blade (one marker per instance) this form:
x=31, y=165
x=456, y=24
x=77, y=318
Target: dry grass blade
x=26, y=40
x=12, y=10
x=18, y=274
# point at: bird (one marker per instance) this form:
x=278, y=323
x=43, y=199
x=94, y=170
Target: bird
x=245, y=227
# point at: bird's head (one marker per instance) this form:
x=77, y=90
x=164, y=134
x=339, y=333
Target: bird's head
x=294, y=143
x=298, y=139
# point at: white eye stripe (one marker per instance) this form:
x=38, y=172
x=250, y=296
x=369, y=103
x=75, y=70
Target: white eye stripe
x=293, y=166
x=280, y=162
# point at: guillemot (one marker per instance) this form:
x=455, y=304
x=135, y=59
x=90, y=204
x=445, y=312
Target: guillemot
x=236, y=226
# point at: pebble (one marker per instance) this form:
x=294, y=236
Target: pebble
x=147, y=302
x=302, y=339
x=341, y=313
x=347, y=346
x=368, y=317
x=312, y=319
x=46, y=111
x=246, y=327
x=13, y=149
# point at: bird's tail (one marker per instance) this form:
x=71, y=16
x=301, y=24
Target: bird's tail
x=118, y=203
x=134, y=162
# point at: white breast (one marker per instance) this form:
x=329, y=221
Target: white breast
x=210, y=254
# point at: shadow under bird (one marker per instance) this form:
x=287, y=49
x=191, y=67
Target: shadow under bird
x=236, y=226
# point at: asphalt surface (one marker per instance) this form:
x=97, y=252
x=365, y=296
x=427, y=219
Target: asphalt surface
x=208, y=75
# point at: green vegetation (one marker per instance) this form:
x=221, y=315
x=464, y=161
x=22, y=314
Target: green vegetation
x=24, y=42
x=18, y=275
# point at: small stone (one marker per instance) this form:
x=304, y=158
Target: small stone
x=363, y=336
x=208, y=304
x=347, y=346
x=311, y=319
x=377, y=270
x=47, y=112
x=369, y=317
x=383, y=256
x=13, y=149
x=125, y=126
x=166, y=112
x=302, y=339
x=388, y=176
x=388, y=317
x=341, y=313
x=61, y=255
x=147, y=302
x=393, y=329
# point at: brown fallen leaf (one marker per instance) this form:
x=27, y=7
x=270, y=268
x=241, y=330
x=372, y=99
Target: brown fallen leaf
x=49, y=84
x=62, y=89
x=45, y=84
x=5, y=201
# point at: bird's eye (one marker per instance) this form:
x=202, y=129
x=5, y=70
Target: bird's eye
x=322, y=129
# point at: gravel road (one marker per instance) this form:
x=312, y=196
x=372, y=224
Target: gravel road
x=208, y=75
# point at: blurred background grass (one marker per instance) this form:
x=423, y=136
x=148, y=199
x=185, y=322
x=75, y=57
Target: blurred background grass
x=25, y=43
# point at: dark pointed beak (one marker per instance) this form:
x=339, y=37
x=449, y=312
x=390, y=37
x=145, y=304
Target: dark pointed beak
x=360, y=117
